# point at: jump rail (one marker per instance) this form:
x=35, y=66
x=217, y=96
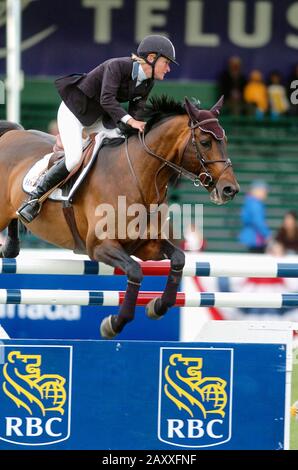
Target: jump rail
x=115, y=298
x=232, y=267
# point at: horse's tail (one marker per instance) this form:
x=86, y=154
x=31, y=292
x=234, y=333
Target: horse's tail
x=6, y=126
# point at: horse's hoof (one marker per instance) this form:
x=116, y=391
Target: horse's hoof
x=106, y=329
x=150, y=310
x=10, y=249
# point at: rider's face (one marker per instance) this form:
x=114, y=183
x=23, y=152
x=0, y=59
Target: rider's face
x=162, y=67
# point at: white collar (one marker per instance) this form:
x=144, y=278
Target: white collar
x=141, y=74
x=138, y=73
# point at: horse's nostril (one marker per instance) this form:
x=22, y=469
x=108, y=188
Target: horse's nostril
x=229, y=191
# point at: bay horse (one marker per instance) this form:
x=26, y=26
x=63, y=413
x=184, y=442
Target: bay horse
x=179, y=138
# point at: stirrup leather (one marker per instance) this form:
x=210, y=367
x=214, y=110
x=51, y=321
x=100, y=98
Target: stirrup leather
x=29, y=202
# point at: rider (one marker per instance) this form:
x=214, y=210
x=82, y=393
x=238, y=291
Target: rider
x=93, y=98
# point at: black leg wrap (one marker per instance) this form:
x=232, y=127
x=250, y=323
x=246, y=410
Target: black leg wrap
x=168, y=298
x=11, y=247
x=127, y=310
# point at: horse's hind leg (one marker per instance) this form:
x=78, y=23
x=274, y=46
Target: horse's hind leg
x=157, y=307
x=112, y=253
x=11, y=247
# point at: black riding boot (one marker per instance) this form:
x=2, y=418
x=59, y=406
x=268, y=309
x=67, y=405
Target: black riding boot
x=31, y=208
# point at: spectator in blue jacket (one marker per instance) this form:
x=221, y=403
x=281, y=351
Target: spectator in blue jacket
x=255, y=232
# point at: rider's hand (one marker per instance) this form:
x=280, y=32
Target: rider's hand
x=137, y=124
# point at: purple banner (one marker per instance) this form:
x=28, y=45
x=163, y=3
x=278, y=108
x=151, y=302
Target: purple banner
x=60, y=37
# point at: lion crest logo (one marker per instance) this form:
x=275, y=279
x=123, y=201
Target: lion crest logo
x=35, y=388
x=195, y=402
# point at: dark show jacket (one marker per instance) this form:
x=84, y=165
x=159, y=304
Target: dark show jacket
x=98, y=93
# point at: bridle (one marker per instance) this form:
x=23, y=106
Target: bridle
x=204, y=178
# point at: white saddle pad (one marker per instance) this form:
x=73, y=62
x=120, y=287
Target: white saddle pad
x=35, y=173
x=38, y=170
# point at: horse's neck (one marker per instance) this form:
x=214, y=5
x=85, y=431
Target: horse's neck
x=167, y=141
x=170, y=138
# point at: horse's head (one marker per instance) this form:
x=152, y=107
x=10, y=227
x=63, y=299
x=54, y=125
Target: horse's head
x=207, y=156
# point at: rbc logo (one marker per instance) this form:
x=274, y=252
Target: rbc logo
x=195, y=396
x=35, y=394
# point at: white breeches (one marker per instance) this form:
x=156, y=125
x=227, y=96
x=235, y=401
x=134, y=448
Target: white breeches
x=71, y=130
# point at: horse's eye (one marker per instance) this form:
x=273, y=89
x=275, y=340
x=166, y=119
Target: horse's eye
x=205, y=143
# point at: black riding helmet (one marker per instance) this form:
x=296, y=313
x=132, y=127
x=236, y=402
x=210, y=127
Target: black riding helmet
x=159, y=45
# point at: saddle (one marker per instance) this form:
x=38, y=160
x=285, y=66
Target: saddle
x=65, y=190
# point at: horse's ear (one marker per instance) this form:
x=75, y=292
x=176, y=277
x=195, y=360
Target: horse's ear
x=217, y=107
x=190, y=109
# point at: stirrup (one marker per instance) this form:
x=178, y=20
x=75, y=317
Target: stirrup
x=30, y=202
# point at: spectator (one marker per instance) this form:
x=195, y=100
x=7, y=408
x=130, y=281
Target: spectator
x=255, y=233
x=287, y=235
x=278, y=100
x=231, y=85
x=256, y=95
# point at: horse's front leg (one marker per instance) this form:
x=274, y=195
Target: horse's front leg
x=157, y=307
x=113, y=254
x=11, y=247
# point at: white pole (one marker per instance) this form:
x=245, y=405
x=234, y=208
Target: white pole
x=13, y=71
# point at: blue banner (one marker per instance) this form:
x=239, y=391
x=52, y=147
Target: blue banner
x=141, y=395
x=76, y=35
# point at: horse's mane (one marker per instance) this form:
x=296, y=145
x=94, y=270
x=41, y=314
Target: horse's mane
x=161, y=107
x=158, y=108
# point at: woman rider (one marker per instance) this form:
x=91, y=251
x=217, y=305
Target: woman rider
x=94, y=98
